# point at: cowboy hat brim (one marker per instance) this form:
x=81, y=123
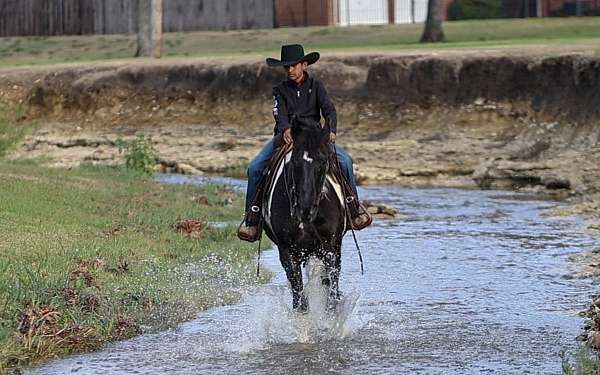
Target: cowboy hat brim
x=311, y=58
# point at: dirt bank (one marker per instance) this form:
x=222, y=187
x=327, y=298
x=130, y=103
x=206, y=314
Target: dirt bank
x=473, y=121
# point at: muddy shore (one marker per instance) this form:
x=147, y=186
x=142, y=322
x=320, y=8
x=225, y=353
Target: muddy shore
x=520, y=122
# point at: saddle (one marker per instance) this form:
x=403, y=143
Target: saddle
x=271, y=175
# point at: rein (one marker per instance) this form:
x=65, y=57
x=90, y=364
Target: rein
x=348, y=217
x=290, y=190
x=293, y=201
x=293, y=204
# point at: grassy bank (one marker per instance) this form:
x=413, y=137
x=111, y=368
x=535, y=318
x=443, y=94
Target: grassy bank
x=95, y=254
x=460, y=34
x=12, y=128
x=585, y=361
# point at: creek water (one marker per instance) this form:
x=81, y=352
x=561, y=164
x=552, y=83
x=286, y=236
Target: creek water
x=465, y=282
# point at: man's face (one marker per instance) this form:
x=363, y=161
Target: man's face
x=295, y=72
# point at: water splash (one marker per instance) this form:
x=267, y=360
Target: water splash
x=450, y=289
x=271, y=320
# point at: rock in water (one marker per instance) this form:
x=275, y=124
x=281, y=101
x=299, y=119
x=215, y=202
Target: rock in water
x=380, y=210
x=594, y=340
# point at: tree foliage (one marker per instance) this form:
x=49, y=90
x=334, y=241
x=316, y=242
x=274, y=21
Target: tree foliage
x=474, y=9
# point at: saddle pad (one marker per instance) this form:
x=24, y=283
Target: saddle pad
x=266, y=212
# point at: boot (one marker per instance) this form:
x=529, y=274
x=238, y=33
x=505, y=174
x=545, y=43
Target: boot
x=248, y=229
x=359, y=216
x=248, y=233
x=362, y=221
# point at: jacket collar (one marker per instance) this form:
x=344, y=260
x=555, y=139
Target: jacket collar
x=307, y=79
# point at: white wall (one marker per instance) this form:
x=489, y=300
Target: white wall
x=365, y=12
x=404, y=14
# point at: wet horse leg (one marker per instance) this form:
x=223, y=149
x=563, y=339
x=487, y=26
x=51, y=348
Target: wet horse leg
x=293, y=270
x=333, y=264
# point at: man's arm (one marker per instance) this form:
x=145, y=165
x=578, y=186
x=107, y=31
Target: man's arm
x=280, y=112
x=327, y=107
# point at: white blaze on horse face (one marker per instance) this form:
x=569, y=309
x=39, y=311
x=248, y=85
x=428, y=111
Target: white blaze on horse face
x=306, y=157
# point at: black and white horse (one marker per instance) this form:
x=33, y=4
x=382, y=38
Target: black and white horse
x=304, y=211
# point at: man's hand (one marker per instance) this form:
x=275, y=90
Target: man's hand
x=287, y=136
x=332, y=137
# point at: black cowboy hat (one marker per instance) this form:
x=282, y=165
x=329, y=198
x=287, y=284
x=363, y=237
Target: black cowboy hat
x=293, y=54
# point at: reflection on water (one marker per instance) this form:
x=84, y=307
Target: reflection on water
x=465, y=282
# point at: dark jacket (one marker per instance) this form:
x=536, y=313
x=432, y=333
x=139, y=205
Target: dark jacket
x=309, y=100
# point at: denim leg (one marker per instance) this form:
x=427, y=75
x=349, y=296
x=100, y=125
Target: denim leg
x=255, y=171
x=345, y=162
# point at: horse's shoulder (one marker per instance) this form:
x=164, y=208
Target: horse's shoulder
x=273, y=177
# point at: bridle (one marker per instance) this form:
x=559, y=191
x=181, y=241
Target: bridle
x=291, y=189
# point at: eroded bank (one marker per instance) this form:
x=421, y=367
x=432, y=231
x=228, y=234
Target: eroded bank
x=488, y=121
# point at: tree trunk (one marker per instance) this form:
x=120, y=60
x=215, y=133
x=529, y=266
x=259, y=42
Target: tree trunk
x=149, y=22
x=433, y=26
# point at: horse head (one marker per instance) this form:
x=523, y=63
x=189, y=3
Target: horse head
x=309, y=166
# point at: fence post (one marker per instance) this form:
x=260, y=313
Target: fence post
x=391, y=12
x=412, y=11
x=348, y=12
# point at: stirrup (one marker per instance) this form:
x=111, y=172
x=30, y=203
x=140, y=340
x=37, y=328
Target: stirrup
x=250, y=219
x=247, y=238
x=360, y=210
x=363, y=226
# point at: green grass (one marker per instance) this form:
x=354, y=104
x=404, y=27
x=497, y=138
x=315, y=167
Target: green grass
x=12, y=127
x=460, y=34
x=99, y=246
x=586, y=362
x=237, y=171
x=92, y=254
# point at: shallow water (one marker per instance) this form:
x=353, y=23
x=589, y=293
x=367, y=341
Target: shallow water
x=465, y=282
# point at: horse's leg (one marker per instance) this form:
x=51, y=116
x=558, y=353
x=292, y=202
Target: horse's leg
x=333, y=265
x=293, y=271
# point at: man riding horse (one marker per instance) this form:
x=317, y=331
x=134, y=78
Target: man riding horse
x=300, y=96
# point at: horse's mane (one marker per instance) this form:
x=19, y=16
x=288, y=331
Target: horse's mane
x=308, y=133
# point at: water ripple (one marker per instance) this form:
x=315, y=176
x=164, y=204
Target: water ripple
x=467, y=282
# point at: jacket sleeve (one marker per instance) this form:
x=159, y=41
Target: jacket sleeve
x=327, y=107
x=280, y=111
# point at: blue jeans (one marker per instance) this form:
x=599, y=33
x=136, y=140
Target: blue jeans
x=261, y=161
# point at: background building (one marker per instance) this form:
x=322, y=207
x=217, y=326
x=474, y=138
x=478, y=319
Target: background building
x=73, y=17
x=292, y=13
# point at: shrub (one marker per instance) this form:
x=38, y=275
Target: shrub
x=474, y=9
x=139, y=154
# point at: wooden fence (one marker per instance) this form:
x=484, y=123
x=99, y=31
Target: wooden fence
x=74, y=17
